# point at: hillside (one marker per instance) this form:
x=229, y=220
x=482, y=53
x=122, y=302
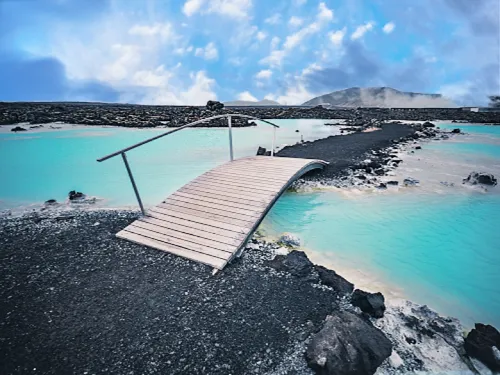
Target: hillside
x=247, y=103
x=385, y=97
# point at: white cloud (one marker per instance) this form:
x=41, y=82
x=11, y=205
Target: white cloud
x=294, y=95
x=152, y=78
x=295, y=21
x=275, y=42
x=389, y=27
x=231, y=8
x=165, y=30
x=192, y=6
x=247, y=96
x=264, y=74
x=293, y=40
x=325, y=14
x=337, y=36
x=183, y=50
x=274, y=59
x=208, y=53
x=261, y=36
x=200, y=91
x=361, y=30
x=274, y=19
x=311, y=68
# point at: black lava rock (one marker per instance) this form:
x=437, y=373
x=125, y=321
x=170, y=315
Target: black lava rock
x=370, y=303
x=483, y=343
x=296, y=263
x=332, y=279
x=480, y=178
x=456, y=131
x=50, y=202
x=418, y=148
x=347, y=345
x=72, y=195
x=261, y=151
x=18, y=129
x=214, y=105
x=393, y=183
x=428, y=125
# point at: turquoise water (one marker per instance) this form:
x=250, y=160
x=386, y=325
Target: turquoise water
x=440, y=248
x=37, y=166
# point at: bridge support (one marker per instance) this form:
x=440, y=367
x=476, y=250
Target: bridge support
x=231, y=156
x=124, y=156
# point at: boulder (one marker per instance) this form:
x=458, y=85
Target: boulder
x=18, y=129
x=483, y=343
x=428, y=124
x=214, y=105
x=393, y=183
x=261, y=151
x=370, y=303
x=382, y=186
x=296, y=263
x=347, y=345
x=289, y=240
x=74, y=195
x=333, y=280
x=418, y=148
x=50, y=202
x=410, y=182
x=456, y=131
x=480, y=178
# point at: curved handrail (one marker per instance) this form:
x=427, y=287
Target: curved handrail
x=180, y=128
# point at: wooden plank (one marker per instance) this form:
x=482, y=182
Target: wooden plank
x=223, y=197
x=271, y=164
x=198, y=223
x=254, y=175
x=234, y=240
x=258, y=172
x=204, y=215
x=217, y=201
x=249, y=211
x=239, y=182
x=206, y=189
x=247, y=191
x=213, y=211
x=184, y=236
x=202, y=258
x=273, y=161
x=179, y=243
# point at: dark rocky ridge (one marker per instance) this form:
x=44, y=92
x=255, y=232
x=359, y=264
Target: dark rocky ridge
x=173, y=116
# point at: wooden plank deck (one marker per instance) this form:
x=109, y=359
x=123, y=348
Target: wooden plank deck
x=211, y=218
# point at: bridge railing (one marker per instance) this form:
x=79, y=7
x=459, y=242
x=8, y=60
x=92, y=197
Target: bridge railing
x=123, y=152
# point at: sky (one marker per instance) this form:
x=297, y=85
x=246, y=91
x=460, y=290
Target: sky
x=190, y=51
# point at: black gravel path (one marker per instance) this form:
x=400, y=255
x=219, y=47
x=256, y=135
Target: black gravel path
x=76, y=300
x=345, y=151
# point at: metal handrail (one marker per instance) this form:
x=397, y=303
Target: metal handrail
x=122, y=152
x=183, y=127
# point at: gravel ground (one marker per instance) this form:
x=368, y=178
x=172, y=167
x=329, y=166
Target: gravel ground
x=75, y=299
x=345, y=151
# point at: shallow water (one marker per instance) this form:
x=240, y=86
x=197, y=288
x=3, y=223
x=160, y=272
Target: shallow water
x=37, y=166
x=434, y=244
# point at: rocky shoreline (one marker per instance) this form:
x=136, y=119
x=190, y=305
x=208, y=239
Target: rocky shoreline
x=74, y=298
x=77, y=299
x=141, y=116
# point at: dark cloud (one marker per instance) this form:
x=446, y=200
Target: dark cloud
x=483, y=16
x=45, y=79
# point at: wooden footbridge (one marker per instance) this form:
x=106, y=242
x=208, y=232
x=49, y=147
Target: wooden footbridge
x=211, y=218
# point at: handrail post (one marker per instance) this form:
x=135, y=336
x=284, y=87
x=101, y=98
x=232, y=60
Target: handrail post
x=274, y=141
x=230, y=138
x=124, y=156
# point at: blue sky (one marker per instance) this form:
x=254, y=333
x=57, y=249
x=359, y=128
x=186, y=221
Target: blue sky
x=190, y=51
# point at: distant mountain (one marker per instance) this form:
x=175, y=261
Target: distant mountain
x=247, y=103
x=381, y=97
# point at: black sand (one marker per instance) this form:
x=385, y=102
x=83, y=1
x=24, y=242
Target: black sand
x=75, y=299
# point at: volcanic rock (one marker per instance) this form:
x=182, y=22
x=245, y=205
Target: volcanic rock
x=480, y=178
x=347, y=345
x=483, y=343
x=335, y=281
x=370, y=303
